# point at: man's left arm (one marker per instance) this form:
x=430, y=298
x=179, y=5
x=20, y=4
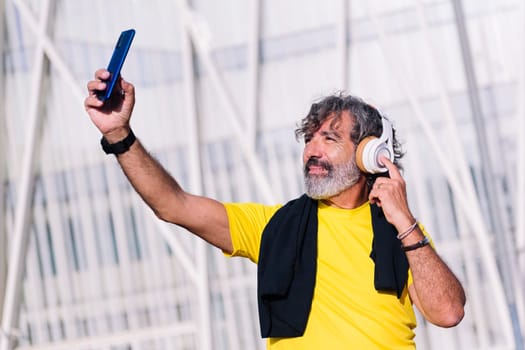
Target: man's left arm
x=436, y=291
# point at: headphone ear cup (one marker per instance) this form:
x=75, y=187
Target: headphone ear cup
x=363, y=153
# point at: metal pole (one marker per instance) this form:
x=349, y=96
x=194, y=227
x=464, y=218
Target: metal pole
x=252, y=116
x=503, y=242
x=204, y=337
x=22, y=220
x=520, y=166
x=342, y=44
x=3, y=168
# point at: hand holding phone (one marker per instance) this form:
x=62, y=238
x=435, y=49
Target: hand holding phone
x=116, y=62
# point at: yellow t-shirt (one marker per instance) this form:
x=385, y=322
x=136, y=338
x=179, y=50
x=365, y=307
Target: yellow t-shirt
x=347, y=312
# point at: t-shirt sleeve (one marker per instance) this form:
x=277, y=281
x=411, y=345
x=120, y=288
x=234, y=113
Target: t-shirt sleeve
x=247, y=222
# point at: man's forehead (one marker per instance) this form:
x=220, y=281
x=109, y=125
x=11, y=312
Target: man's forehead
x=338, y=121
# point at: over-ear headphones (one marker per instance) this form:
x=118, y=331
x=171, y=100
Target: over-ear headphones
x=371, y=147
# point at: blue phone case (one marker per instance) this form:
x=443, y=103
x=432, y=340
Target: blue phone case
x=117, y=61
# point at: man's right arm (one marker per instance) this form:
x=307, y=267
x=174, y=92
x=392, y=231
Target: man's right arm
x=205, y=217
x=202, y=216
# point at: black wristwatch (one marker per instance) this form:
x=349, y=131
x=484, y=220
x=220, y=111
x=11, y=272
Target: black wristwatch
x=119, y=147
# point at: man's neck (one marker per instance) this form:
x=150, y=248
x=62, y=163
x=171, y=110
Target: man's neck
x=350, y=198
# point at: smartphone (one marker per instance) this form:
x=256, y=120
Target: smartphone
x=117, y=61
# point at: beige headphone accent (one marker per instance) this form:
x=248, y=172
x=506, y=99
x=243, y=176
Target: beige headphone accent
x=359, y=152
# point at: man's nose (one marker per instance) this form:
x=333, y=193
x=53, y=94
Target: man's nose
x=313, y=148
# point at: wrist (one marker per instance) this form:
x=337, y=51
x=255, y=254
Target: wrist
x=403, y=223
x=404, y=234
x=117, y=135
x=415, y=236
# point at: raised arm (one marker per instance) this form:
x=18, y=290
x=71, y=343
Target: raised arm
x=203, y=216
x=435, y=291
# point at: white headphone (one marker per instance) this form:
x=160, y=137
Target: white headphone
x=371, y=147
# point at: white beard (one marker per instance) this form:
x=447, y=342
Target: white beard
x=339, y=178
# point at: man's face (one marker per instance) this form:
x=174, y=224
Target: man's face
x=329, y=159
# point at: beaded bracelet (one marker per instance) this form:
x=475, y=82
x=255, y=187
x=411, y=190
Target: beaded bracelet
x=407, y=232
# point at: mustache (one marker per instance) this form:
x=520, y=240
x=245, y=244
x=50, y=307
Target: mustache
x=313, y=161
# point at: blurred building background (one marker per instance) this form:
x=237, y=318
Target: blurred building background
x=220, y=87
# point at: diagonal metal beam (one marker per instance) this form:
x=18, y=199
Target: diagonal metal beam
x=51, y=52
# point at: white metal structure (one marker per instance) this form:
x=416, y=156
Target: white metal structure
x=84, y=264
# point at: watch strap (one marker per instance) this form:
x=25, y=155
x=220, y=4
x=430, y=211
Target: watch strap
x=118, y=147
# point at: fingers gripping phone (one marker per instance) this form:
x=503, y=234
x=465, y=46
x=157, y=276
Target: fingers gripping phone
x=116, y=62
